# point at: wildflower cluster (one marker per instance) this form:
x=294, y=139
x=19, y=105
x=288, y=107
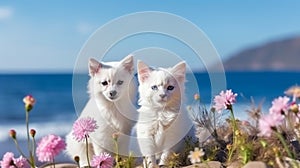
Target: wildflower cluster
x=9, y=161
x=283, y=110
x=47, y=149
x=283, y=118
x=269, y=140
x=52, y=145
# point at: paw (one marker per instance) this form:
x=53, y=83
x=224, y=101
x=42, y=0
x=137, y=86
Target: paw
x=149, y=162
x=162, y=166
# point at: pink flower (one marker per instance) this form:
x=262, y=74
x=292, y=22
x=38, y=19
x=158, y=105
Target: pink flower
x=82, y=127
x=224, y=100
x=268, y=123
x=104, y=160
x=280, y=105
x=49, y=147
x=29, y=100
x=21, y=162
x=9, y=161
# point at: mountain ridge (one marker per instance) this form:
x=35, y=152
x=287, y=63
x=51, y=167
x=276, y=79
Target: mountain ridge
x=279, y=55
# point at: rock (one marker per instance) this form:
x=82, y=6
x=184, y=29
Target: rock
x=235, y=164
x=62, y=165
x=256, y=164
x=210, y=164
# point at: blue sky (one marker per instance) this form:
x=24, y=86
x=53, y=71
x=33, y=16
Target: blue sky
x=46, y=36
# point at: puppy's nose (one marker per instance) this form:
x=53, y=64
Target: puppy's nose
x=113, y=93
x=162, y=95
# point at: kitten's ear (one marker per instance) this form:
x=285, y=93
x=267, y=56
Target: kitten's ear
x=179, y=71
x=143, y=71
x=94, y=67
x=127, y=63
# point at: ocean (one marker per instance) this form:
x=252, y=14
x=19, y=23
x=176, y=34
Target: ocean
x=55, y=112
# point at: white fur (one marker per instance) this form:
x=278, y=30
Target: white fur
x=110, y=105
x=163, y=121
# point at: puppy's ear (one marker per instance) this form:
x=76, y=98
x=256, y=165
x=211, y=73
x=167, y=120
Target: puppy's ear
x=127, y=63
x=94, y=67
x=143, y=71
x=179, y=71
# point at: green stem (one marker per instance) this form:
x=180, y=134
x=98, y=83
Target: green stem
x=214, y=120
x=117, y=154
x=53, y=161
x=87, y=151
x=19, y=149
x=33, y=146
x=233, y=119
x=234, y=128
x=29, y=145
x=282, y=140
x=27, y=130
x=78, y=164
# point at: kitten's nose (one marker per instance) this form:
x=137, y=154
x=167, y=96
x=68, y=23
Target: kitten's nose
x=113, y=93
x=162, y=95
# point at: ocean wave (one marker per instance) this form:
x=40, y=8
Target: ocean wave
x=60, y=128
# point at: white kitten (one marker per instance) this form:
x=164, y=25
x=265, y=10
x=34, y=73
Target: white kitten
x=163, y=121
x=112, y=93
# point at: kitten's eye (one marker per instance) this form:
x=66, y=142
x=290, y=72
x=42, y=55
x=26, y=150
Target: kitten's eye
x=120, y=82
x=154, y=87
x=170, y=87
x=104, y=83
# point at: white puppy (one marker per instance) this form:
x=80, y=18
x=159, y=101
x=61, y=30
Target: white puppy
x=112, y=93
x=163, y=121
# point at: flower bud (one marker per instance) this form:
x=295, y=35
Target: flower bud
x=196, y=96
x=115, y=136
x=213, y=109
x=229, y=146
x=294, y=107
x=29, y=102
x=76, y=158
x=13, y=134
x=32, y=133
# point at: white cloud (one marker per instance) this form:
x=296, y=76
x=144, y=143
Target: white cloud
x=5, y=13
x=84, y=28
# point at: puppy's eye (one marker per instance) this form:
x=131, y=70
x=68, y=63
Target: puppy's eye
x=120, y=82
x=170, y=87
x=104, y=83
x=154, y=87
